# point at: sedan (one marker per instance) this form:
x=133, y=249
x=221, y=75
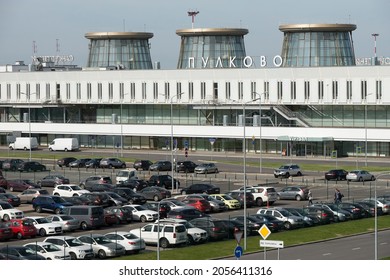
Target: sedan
x=360, y=176
x=206, y=168
x=68, y=222
x=155, y=193
x=18, y=185
x=297, y=193
x=102, y=246
x=131, y=242
x=336, y=174
x=140, y=213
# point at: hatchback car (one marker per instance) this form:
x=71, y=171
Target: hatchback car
x=5, y=231
x=216, y=205
x=336, y=174
x=186, y=166
x=31, y=166
x=18, y=185
x=140, y=164
x=360, y=176
x=206, y=168
x=112, y=163
x=123, y=214
x=161, y=165
x=297, y=193
x=245, y=198
x=199, y=203
x=102, y=246
x=230, y=202
x=201, y=188
x=287, y=170
x=22, y=228
x=53, y=180
x=155, y=193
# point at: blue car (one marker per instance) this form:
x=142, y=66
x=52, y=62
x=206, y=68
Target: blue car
x=50, y=203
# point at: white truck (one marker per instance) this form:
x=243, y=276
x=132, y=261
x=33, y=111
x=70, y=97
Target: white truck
x=24, y=143
x=64, y=144
x=126, y=174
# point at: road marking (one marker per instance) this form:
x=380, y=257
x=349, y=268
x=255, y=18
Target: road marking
x=357, y=248
x=327, y=254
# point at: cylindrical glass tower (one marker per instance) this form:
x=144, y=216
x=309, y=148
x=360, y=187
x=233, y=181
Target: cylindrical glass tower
x=314, y=45
x=211, y=48
x=124, y=50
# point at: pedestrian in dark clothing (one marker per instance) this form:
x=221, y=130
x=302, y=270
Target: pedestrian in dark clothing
x=338, y=196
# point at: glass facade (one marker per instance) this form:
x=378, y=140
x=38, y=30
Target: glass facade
x=314, y=46
x=122, y=50
x=211, y=48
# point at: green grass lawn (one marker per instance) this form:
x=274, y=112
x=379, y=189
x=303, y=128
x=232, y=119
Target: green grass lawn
x=213, y=250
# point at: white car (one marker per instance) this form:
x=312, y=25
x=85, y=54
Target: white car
x=69, y=190
x=44, y=226
x=67, y=222
x=8, y=212
x=131, y=242
x=140, y=213
x=194, y=234
x=102, y=246
x=72, y=246
x=48, y=250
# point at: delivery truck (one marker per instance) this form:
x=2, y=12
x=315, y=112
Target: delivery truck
x=24, y=143
x=64, y=144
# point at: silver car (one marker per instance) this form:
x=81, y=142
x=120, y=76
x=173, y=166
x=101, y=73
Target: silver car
x=360, y=176
x=102, y=246
x=68, y=222
x=290, y=221
x=206, y=168
x=287, y=170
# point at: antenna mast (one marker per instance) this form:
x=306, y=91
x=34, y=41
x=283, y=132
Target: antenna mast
x=192, y=14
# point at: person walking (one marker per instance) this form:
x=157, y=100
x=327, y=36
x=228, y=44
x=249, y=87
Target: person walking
x=310, y=197
x=338, y=196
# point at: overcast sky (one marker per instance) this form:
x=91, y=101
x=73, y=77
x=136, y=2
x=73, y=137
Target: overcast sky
x=59, y=26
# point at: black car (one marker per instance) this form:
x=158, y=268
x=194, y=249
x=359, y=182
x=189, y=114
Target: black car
x=355, y=209
x=155, y=193
x=11, y=164
x=77, y=200
x=79, y=162
x=272, y=222
x=116, y=199
x=131, y=196
x=161, y=165
x=53, y=180
x=31, y=166
x=134, y=184
x=99, y=188
x=186, y=166
x=20, y=252
x=142, y=164
x=336, y=174
x=201, y=188
x=64, y=162
x=10, y=198
x=186, y=213
x=164, y=181
x=93, y=163
x=112, y=163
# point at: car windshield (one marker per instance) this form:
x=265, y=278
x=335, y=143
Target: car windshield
x=43, y=192
x=73, y=242
x=67, y=218
x=130, y=236
x=51, y=248
x=102, y=240
x=123, y=173
x=42, y=220
x=285, y=213
x=284, y=167
x=58, y=199
x=227, y=197
x=354, y=172
x=25, y=251
x=6, y=206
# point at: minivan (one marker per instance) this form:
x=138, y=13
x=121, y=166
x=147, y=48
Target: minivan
x=89, y=216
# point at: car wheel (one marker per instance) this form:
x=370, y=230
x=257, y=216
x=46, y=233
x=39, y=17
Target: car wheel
x=75, y=195
x=143, y=219
x=19, y=235
x=38, y=209
x=360, y=179
x=287, y=225
x=50, y=149
x=101, y=254
x=164, y=243
x=372, y=178
x=11, y=189
x=6, y=218
x=66, y=149
x=216, y=171
x=57, y=194
x=57, y=211
x=183, y=192
x=72, y=256
x=278, y=197
x=287, y=175
x=84, y=226
x=42, y=232
x=298, y=198
x=123, y=165
x=190, y=240
x=82, y=186
x=299, y=174
x=155, y=198
x=259, y=202
x=110, y=166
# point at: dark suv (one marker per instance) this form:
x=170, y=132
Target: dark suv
x=161, y=165
x=185, y=166
x=112, y=163
x=164, y=181
x=11, y=164
x=142, y=164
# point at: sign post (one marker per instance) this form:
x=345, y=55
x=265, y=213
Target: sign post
x=238, y=251
x=212, y=141
x=265, y=232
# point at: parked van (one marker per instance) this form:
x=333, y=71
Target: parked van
x=126, y=174
x=24, y=143
x=88, y=215
x=64, y=144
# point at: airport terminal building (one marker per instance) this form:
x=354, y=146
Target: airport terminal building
x=314, y=98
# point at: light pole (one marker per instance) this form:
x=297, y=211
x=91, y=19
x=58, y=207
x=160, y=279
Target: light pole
x=260, y=143
x=172, y=163
x=365, y=129
x=158, y=230
x=374, y=35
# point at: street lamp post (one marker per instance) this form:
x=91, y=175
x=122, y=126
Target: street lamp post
x=121, y=115
x=375, y=35
x=260, y=126
x=172, y=158
x=365, y=129
x=158, y=230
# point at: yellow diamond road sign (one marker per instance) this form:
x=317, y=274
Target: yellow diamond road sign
x=264, y=231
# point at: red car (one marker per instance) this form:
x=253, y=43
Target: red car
x=18, y=185
x=5, y=232
x=199, y=203
x=22, y=228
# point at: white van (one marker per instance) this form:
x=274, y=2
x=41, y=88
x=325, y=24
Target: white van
x=126, y=174
x=64, y=144
x=24, y=143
